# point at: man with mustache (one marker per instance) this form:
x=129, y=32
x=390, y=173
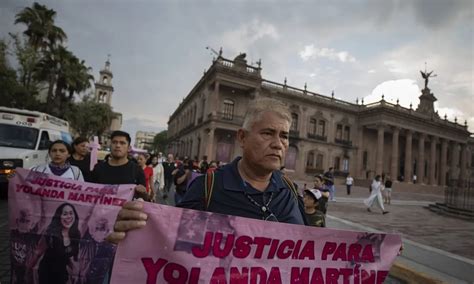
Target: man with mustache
x=251, y=186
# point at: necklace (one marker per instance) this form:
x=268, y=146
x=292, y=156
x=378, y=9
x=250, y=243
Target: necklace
x=264, y=207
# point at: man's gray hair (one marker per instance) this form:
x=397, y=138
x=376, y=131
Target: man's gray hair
x=260, y=106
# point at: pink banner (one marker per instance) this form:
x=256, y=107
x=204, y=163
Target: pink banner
x=58, y=226
x=188, y=246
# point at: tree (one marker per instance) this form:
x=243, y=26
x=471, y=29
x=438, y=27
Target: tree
x=41, y=31
x=160, y=141
x=43, y=35
x=12, y=93
x=90, y=118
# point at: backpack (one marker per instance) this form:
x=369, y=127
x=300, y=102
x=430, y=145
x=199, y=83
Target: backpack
x=209, y=188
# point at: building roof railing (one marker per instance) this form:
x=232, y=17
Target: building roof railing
x=410, y=111
x=285, y=88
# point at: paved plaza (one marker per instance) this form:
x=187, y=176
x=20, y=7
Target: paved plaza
x=426, y=235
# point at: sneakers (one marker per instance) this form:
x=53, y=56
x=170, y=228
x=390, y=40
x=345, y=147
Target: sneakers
x=368, y=210
x=384, y=212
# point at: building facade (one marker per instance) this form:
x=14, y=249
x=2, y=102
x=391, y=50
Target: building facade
x=363, y=139
x=103, y=94
x=144, y=139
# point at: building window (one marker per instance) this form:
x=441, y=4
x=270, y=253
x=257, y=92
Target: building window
x=345, y=165
x=339, y=132
x=322, y=128
x=290, y=160
x=319, y=161
x=310, y=161
x=228, y=109
x=312, y=126
x=337, y=161
x=294, y=122
x=364, y=160
x=347, y=133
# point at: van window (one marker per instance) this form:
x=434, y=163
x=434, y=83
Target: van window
x=18, y=136
x=44, y=141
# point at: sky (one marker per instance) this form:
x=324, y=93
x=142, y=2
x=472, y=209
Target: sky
x=356, y=48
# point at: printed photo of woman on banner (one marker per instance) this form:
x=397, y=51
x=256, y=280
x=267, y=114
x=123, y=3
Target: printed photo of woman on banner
x=58, y=228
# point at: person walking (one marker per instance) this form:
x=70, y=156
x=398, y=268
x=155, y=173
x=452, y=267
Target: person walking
x=148, y=171
x=80, y=157
x=119, y=169
x=169, y=167
x=375, y=195
x=158, y=177
x=388, y=190
x=59, y=152
x=251, y=186
x=329, y=182
x=349, y=183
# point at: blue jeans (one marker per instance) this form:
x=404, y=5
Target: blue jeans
x=332, y=192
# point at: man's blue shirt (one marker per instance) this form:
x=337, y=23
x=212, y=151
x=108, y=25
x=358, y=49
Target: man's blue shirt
x=229, y=196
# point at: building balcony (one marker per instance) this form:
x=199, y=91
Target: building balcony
x=343, y=142
x=230, y=118
x=317, y=137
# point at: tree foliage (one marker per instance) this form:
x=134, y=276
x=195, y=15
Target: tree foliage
x=12, y=93
x=160, y=142
x=90, y=118
x=49, y=76
x=46, y=67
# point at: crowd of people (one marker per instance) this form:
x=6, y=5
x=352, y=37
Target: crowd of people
x=254, y=185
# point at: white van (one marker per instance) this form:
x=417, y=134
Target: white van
x=24, y=139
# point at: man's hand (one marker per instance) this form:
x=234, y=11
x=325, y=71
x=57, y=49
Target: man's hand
x=130, y=217
x=140, y=192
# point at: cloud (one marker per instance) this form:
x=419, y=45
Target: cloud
x=312, y=52
x=404, y=90
x=395, y=66
x=246, y=35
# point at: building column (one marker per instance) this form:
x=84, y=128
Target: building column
x=432, y=173
x=462, y=173
x=408, y=159
x=394, y=162
x=420, y=171
x=210, y=145
x=214, y=100
x=380, y=144
x=444, y=161
x=454, y=161
x=360, y=153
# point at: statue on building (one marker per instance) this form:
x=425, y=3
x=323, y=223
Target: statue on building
x=240, y=57
x=426, y=75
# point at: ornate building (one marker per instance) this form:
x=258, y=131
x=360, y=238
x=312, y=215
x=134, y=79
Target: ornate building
x=326, y=132
x=103, y=94
x=144, y=139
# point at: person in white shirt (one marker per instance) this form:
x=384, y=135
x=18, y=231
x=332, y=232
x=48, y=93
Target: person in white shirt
x=376, y=195
x=59, y=151
x=158, y=176
x=349, y=183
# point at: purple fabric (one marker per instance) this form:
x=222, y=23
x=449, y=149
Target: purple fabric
x=59, y=170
